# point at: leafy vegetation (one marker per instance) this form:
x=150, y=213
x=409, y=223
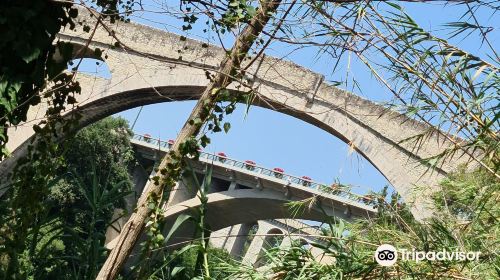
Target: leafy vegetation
x=468, y=223
x=184, y=266
x=27, y=59
x=65, y=237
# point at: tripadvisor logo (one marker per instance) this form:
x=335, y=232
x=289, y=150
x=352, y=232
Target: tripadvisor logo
x=387, y=255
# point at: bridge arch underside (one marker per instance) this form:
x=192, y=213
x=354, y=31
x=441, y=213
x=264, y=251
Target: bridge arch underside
x=394, y=162
x=229, y=208
x=150, y=71
x=123, y=101
x=149, y=58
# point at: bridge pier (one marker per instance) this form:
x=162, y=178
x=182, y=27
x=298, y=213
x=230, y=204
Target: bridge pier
x=140, y=177
x=238, y=242
x=255, y=247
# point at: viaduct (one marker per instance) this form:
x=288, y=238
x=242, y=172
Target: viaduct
x=153, y=66
x=243, y=200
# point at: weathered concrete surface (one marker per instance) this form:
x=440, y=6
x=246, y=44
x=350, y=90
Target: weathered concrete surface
x=148, y=69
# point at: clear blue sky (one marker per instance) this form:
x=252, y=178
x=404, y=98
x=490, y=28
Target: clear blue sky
x=276, y=140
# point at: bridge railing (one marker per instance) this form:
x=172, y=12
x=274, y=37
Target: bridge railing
x=334, y=189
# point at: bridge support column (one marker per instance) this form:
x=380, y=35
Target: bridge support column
x=179, y=194
x=231, y=239
x=238, y=241
x=232, y=186
x=113, y=230
x=221, y=238
x=287, y=241
x=139, y=179
x=255, y=247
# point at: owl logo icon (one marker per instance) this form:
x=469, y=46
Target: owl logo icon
x=386, y=255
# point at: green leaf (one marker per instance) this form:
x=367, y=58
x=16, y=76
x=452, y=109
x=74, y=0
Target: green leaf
x=251, y=11
x=73, y=13
x=478, y=72
x=227, y=126
x=30, y=56
x=197, y=121
x=151, y=205
x=215, y=91
x=98, y=52
x=394, y=5
x=218, y=109
x=176, y=270
x=204, y=141
x=216, y=128
x=178, y=222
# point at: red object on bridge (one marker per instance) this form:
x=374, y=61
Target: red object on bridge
x=250, y=162
x=221, y=154
x=147, y=136
x=307, y=178
x=170, y=141
x=277, y=169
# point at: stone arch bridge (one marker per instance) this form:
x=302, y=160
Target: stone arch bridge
x=153, y=66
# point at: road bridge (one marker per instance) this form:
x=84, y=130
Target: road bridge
x=240, y=194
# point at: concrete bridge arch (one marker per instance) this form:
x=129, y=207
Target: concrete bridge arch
x=148, y=68
x=225, y=209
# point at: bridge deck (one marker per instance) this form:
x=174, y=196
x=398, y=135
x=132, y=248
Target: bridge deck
x=260, y=177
